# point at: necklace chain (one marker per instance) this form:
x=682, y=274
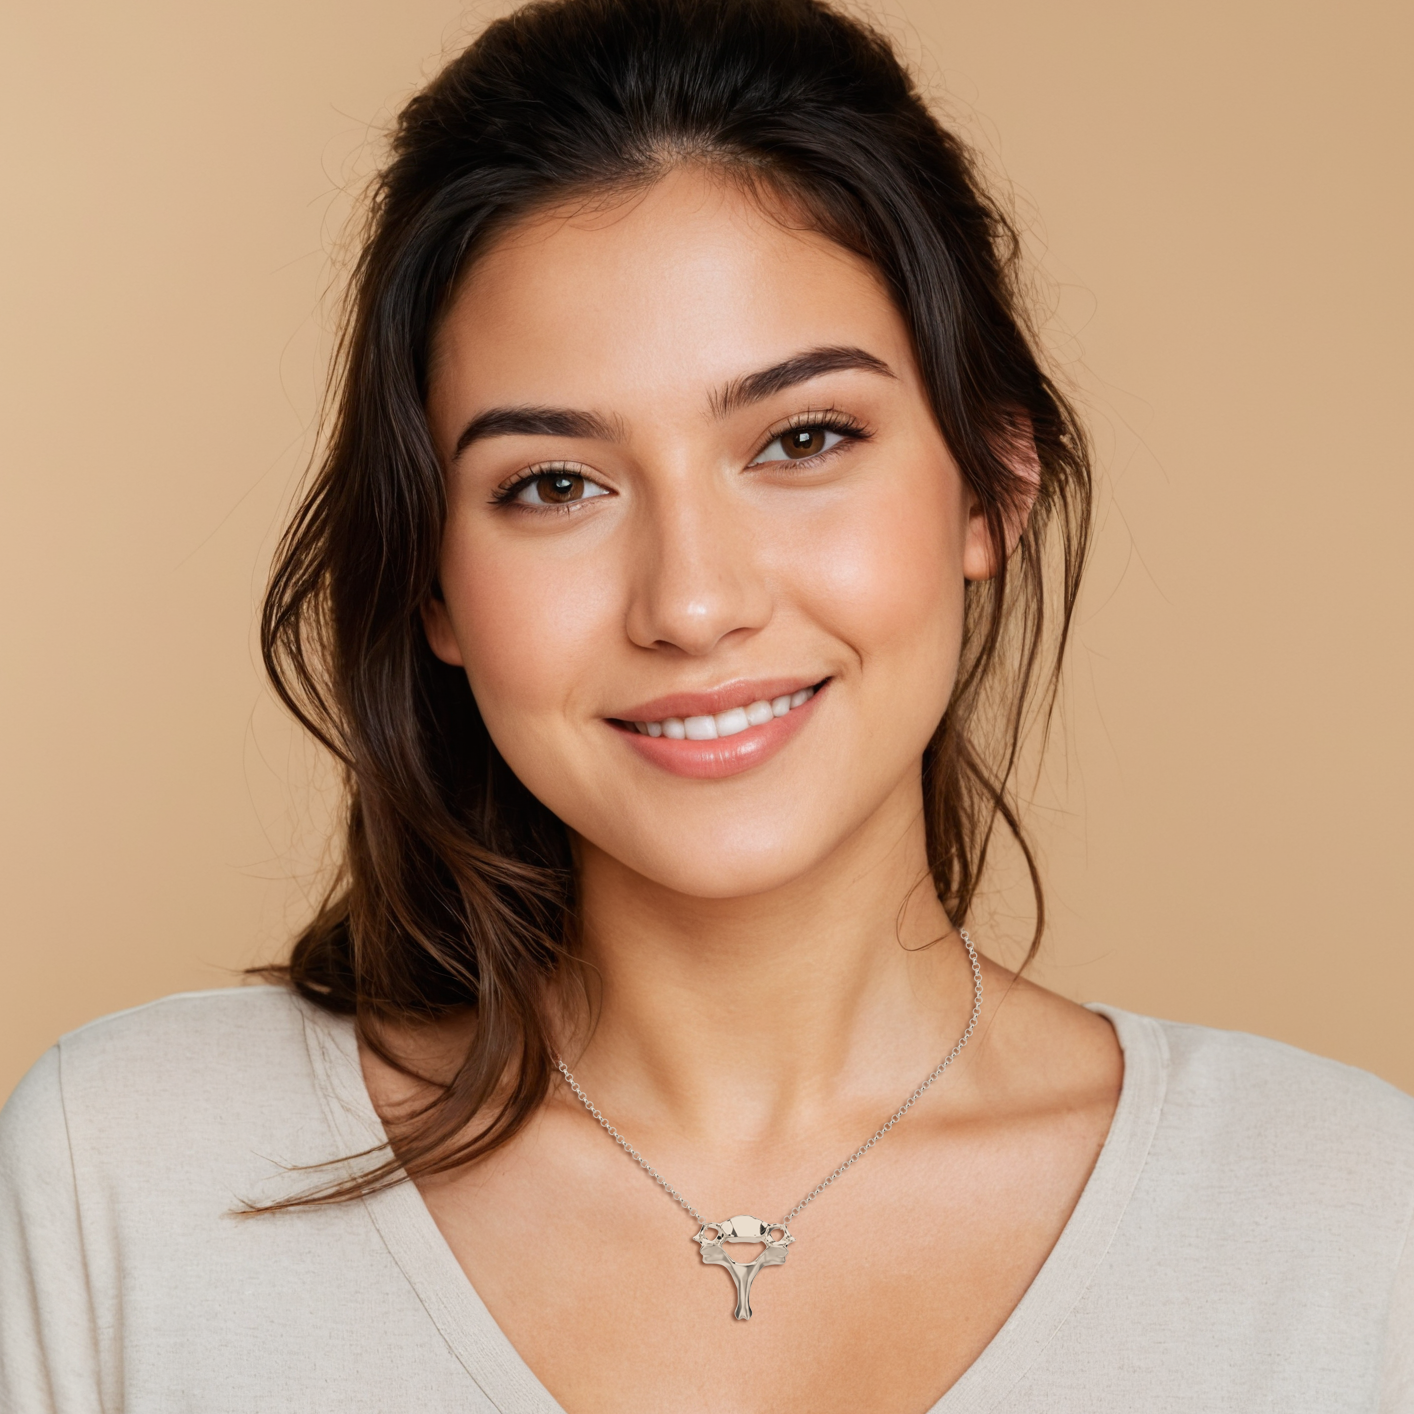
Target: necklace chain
x=853, y=1159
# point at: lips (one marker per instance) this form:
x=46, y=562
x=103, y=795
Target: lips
x=738, y=693
x=710, y=727
x=720, y=733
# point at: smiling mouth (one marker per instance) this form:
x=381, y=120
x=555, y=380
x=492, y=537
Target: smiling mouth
x=730, y=722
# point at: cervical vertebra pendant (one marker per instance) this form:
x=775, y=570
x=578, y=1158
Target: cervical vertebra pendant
x=743, y=1273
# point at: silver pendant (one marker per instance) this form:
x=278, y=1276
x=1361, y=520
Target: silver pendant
x=743, y=1273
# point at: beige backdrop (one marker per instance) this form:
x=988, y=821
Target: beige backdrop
x=1217, y=196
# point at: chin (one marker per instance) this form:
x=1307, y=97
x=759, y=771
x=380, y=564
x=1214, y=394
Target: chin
x=698, y=864
x=725, y=880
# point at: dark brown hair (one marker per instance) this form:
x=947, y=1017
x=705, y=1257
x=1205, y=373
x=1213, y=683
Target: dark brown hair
x=456, y=891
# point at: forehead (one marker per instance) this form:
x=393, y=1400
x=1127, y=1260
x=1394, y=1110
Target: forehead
x=664, y=294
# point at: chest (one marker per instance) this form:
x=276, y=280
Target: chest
x=898, y=1277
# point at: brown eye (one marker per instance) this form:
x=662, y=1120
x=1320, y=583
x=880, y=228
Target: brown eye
x=803, y=442
x=562, y=487
x=557, y=487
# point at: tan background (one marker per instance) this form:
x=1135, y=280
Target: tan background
x=1217, y=194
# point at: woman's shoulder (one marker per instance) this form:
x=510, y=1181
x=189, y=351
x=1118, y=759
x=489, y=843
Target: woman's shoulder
x=228, y=1037
x=1253, y=1076
x=162, y=1087
x=1249, y=1110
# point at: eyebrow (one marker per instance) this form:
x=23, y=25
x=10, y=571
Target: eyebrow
x=800, y=368
x=739, y=393
x=533, y=422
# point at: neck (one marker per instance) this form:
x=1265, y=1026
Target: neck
x=743, y=1015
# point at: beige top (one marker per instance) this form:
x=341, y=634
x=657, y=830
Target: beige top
x=1243, y=1243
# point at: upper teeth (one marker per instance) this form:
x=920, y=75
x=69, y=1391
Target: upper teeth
x=728, y=723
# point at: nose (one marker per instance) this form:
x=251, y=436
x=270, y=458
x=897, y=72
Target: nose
x=698, y=582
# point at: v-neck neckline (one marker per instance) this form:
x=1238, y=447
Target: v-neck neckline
x=415, y=1243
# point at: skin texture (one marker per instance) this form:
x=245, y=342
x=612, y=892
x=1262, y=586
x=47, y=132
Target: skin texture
x=772, y=973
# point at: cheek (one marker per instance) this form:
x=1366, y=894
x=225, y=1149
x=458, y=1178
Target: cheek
x=887, y=571
x=527, y=623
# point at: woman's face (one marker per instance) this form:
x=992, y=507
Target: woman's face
x=692, y=475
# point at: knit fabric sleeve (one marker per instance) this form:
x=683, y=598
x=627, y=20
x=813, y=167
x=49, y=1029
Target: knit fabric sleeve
x=48, y=1341
x=1397, y=1386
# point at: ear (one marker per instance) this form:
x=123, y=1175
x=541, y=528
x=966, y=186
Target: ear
x=441, y=636
x=979, y=560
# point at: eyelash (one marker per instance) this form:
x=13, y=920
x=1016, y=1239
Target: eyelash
x=827, y=419
x=506, y=495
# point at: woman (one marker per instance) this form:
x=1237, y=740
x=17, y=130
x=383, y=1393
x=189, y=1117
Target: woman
x=674, y=590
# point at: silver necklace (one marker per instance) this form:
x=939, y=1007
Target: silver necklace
x=747, y=1229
